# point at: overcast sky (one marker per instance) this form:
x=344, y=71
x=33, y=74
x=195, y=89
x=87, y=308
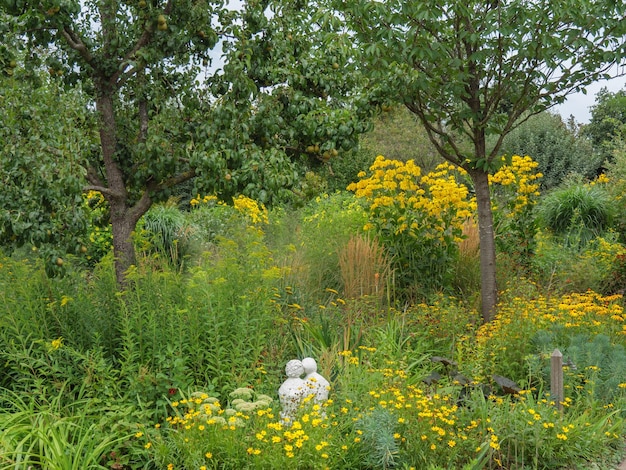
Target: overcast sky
x=578, y=105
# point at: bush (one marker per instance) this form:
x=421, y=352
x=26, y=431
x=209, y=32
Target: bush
x=563, y=266
x=418, y=219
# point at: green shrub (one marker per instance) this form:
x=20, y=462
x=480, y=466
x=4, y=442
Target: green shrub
x=566, y=266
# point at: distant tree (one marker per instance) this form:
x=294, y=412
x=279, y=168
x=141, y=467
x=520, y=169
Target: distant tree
x=557, y=148
x=608, y=121
x=469, y=69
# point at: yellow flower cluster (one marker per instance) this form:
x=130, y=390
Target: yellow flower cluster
x=251, y=209
x=519, y=174
x=255, y=211
x=196, y=201
x=397, y=192
x=588, y=312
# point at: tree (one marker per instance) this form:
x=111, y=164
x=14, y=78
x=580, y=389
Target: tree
x=136, y=61
x=290, y=79
x=143, y=66
x=608, y=121
x=469, y=69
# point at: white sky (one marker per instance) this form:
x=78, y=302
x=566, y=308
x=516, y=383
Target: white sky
x=578, y=104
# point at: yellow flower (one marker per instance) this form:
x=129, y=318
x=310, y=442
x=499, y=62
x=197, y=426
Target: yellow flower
x=208, y=455
x=56, y=343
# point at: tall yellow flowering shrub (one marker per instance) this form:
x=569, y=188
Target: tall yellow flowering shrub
x=515, y=189
x=418, y=218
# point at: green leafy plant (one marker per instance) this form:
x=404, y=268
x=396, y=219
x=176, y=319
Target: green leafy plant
x=165, y=232
x=380, y=448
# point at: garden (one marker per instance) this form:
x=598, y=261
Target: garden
x=379, y=283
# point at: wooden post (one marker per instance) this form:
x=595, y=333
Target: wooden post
x=556, y=378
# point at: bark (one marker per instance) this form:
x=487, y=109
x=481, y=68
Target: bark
x=122, y=226
x=489, y=290
x=122, y=219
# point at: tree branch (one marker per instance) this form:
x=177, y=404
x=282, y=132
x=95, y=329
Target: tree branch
x=102, y=189
x=92, y=176
x=77, y=44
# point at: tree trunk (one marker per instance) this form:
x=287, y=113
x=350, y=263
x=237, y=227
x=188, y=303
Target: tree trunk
x=488, y=287
x=122, y=226
x=123, y=219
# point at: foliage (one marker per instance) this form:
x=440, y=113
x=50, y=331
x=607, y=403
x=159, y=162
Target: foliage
x=154, y=332
x=325, y=226
x=48, y=434
x=416, y=427
x=100, y=236
x=163, y=231
x=616, y=177
x=566, y=266
x=379, y=444
x=558, y=149
x=398, y=135
x=417, y=218
x=342, y=172
x=164, y=116
x=503, y=347
x=577, y=211
x=180, y=369
x=41, y=204
x=608, y=121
